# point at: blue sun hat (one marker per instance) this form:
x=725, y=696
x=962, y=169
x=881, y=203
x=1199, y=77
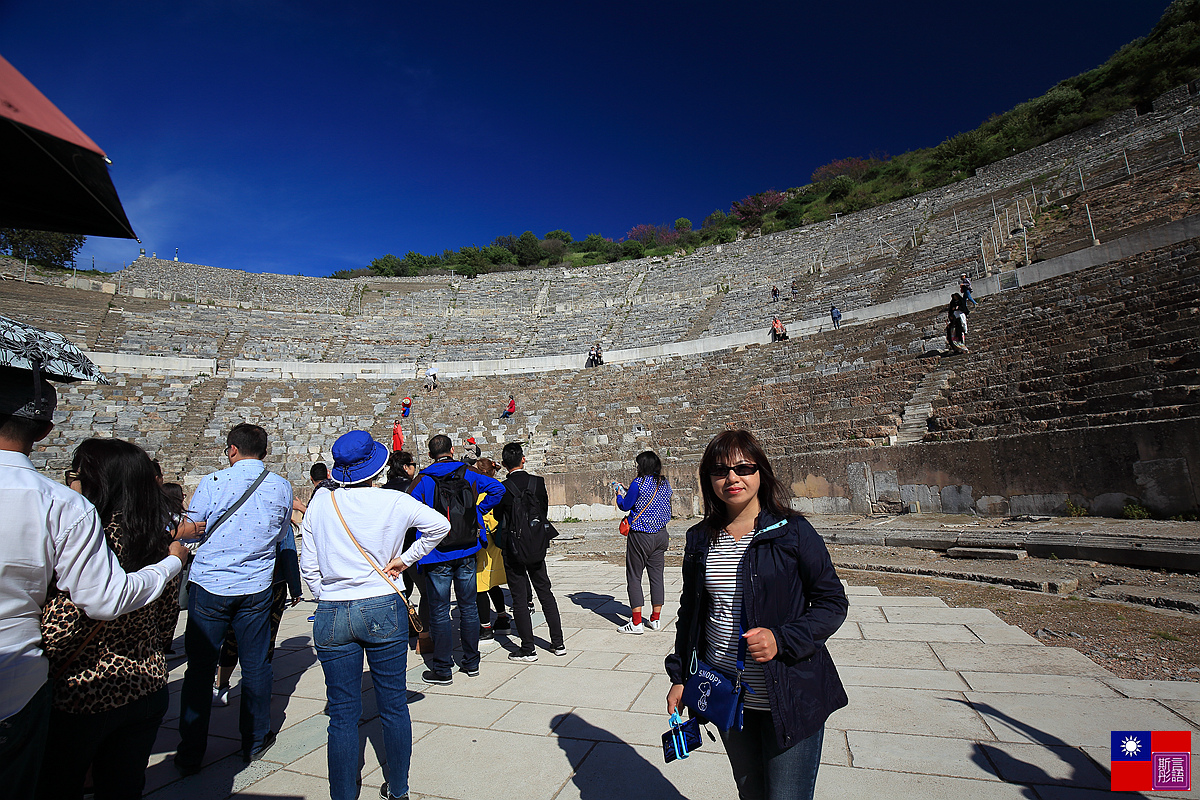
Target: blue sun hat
x=357, y=458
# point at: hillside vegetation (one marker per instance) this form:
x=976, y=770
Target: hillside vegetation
x=1147, y=67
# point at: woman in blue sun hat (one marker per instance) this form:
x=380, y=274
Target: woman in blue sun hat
x=359, y=610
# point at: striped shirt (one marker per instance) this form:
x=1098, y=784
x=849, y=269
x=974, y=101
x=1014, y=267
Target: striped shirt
x=722, y=630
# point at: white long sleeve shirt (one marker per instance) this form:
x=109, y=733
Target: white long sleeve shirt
x=332, y=566
x=49, y=531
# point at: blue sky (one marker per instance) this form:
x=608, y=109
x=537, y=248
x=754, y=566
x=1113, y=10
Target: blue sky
x=306, y=137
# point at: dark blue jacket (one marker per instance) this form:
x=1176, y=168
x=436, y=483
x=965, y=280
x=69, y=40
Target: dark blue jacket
x=791, y=588
x=423, y=488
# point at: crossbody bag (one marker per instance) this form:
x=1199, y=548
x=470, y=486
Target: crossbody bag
x=414, y=618
x=227, y=513
x=626, y=524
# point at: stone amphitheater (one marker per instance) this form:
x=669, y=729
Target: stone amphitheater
x=1081, y=384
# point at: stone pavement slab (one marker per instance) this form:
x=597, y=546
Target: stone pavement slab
x=944, y=703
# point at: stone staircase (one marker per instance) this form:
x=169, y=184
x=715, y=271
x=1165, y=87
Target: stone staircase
x=188, y=440
x=918, y=409
x=702, y=320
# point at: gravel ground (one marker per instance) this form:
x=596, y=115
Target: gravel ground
x=1132, y=641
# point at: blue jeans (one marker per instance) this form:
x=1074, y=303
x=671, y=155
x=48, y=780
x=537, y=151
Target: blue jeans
x=764, y=772
x=209, y=617
x=343, y=630
x=460, y=572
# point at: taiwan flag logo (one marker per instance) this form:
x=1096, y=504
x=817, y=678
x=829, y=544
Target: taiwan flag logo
x=1151, y=761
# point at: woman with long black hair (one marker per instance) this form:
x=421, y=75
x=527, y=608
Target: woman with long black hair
x=110, y=678
x=758, y=581
x=648, y=502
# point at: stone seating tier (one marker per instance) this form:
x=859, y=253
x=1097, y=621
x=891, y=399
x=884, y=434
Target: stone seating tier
x=1115, y=344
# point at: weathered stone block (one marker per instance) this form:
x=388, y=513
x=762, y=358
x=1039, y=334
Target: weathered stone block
x=1166, y=485
x=993, y=554
x=887, y=486
x=957, y=499
x=1020, y=504
x=862, y=487
x=831, y=505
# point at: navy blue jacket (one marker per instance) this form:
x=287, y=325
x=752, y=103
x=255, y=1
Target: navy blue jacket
x=423, y=489
x=790, y=588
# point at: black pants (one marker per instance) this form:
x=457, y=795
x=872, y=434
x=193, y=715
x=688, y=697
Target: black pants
x=519, y=579
x=22, y=744
x=485, y=608
x=116, y=744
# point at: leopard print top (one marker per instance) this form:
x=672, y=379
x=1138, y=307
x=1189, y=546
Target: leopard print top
x=123, y=662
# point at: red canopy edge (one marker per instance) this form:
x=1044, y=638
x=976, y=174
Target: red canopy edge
x=21, y=102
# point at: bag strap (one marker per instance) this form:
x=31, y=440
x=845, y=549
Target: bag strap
x=62, y=669
x=229, y=511
x=657, y=486
x=741, y=659
x=411, y=613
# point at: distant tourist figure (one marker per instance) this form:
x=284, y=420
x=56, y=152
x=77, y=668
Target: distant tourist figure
x=522, y=513
x=836, y=316
x=759, y=587
x=774, y=294
x=956, y=327
x=353, y=550
x=795, y=288
x=778, y=331
x=512, y=408
x=248, y=512
x=591, y=358
x=964, y=286
x=471, y=452
x=648, y=503
x=431, y=379
x=599, y=354
x=451, y=489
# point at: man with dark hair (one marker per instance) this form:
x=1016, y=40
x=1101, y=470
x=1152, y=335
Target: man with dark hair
x=447, y=485
x=248, y=512
x=521, y=487
x=51, y=534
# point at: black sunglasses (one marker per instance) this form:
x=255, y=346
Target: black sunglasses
x=720, y=470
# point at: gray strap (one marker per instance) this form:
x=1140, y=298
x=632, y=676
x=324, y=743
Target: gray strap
x=230, y=511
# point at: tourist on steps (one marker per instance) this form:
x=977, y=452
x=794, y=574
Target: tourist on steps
x=836, y=316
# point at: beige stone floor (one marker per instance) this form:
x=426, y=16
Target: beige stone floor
x=944, y=702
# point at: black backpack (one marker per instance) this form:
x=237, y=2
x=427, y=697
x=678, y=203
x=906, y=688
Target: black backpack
x=525, y=534
x=454, y=498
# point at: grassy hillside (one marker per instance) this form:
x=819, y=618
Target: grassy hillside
x=1167, y=57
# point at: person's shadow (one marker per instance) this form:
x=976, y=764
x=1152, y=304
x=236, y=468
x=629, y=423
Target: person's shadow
x=594, y=602
x=619, y=771
x=1012, y=770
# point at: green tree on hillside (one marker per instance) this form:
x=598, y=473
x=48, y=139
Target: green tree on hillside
x=48, y=248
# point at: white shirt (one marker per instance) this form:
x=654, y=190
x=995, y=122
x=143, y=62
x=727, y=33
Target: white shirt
x=49, y=530
x=333, y=567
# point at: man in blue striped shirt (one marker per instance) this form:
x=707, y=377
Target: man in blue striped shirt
x=230, y=585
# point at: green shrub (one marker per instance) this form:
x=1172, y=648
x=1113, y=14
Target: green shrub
x=1074, y=510
x=1135, y=510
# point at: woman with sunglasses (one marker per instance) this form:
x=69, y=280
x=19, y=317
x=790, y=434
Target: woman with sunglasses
x=110, y=678
x=757, y=574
